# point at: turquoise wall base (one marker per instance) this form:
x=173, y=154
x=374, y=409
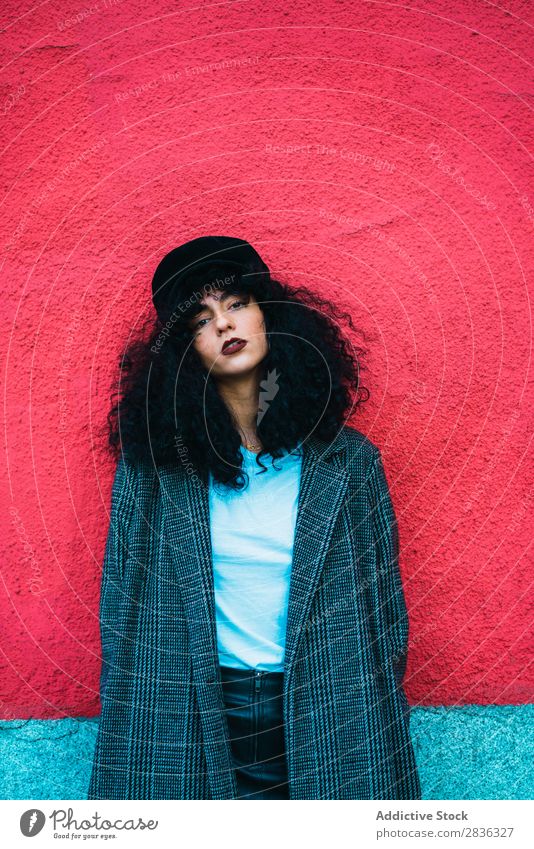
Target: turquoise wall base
x=471, y=752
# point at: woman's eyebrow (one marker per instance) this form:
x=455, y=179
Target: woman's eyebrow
x=200, y=307
x=222, y=297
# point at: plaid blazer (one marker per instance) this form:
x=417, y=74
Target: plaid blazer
x=163, y=733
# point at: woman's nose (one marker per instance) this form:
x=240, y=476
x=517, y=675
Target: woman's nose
x=224, y=320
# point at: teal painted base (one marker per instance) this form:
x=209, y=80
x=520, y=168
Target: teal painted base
x=474, y=752
x=468, y=752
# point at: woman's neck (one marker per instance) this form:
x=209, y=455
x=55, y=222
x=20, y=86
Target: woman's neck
x=241, y=396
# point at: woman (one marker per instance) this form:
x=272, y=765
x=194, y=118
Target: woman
x=254, y=628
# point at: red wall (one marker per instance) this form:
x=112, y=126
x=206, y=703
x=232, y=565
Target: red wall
x=376, y=153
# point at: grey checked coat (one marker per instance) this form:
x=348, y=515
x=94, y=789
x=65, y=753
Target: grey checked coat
x=162, y=732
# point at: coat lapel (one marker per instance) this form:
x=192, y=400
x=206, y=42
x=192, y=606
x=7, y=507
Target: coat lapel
x=323, y=485
x=187, y=531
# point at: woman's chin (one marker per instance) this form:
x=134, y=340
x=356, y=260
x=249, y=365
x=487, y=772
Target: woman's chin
x=238, y=364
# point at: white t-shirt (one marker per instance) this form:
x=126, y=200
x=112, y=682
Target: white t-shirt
x=252, y=534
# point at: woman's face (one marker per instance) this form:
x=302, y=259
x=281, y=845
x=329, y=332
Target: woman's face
x=223, y=317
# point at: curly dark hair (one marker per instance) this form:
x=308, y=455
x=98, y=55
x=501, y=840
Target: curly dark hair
x=166, y=406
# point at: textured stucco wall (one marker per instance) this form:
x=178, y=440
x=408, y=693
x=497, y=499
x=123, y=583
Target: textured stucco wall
x=376, y=153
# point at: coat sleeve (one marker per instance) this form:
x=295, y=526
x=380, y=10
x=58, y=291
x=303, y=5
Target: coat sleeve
x=393, y=611
x=115, y=554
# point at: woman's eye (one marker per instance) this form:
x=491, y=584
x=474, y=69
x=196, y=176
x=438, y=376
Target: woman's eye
x=199, y=324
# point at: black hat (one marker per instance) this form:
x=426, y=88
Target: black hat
x=207, y=251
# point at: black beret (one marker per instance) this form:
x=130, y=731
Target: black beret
x=168, y=287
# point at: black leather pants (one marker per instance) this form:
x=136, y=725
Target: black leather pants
x=253, y=700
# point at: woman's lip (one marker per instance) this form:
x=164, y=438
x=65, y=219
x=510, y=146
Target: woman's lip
x=235, y=347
